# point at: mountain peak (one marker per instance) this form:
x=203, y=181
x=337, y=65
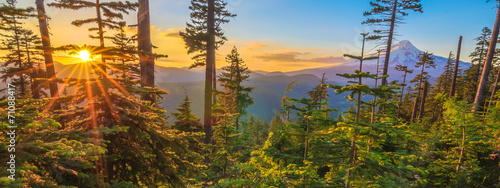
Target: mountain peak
x=404, y=45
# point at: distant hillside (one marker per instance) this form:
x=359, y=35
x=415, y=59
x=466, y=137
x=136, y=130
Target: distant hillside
x=267, y=93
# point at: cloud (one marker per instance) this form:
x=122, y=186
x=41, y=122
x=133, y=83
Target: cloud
x=282, y=57
x=328, y=59
x=172, y=33
x=293, y=56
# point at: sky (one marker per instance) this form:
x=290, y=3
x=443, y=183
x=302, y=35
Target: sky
x=288, y=35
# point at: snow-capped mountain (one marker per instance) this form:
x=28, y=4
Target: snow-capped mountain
x=402, y=53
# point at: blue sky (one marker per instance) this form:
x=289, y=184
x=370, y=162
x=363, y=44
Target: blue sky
x=299, y=30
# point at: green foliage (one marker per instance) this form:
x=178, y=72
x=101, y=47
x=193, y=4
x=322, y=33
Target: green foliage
x=196, y=34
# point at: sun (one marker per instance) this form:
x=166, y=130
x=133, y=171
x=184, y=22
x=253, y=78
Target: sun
x=84, y=55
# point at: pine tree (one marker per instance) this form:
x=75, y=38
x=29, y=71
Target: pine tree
x=17, y=64
x=203, y=36
x=487, y=65
x=47, y=51
x=406, y=71
x=443, y=81
x=144, y=45
x=391, y=13
x=479, y=53
x=426, y=60
x=235, y=95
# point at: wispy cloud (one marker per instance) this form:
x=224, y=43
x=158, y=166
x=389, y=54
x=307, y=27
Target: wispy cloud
x=293, y=56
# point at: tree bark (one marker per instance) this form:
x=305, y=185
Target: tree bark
x=389, y=42
x=210, y=62
x=414, y=112
x=455, y=71
x=100, y=28
x=47, y=51
x=487, y=64
x=147, y=62
x=402, y=94
x=422, y=102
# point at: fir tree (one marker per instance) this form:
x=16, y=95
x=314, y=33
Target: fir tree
x=47, y=51
x=18, y=65
x=406, y=71
x=487, y=65
x=235, y=95
x=426, y=60
x=203, y=36
x=391, y=13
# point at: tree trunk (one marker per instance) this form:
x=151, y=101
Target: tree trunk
x=402, y=94
x=455, y=71
x=375, y=97
x=147, y=62
x=422, y=102
x=478, y=70
x=210, y=62
x=414, y=112
x=100, y=28
x=389, y=42
x=47, y=51
x=35, y=90
x=487, y=64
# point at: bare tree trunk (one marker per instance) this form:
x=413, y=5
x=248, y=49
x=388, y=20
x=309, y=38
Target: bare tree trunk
x=389, y=42
x=414, y=112
x=375, y=97
x=101, y=35
x=144, y=45
x=207, y=121
x=455, y=71
x=487, y=64
x=402, y=94
x=422, y=102
x=47, y=51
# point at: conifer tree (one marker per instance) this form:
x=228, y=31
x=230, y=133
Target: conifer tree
x=47, y=50
x=144, y=45
x=235, y=95
x=426, y=60
x=203, y=36
x=479, y=53
x=487, y=65
x=17, y=65
x=406, y=71
x=444, y=79
x=390, y=14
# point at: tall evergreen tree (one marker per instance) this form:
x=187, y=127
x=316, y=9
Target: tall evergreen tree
x=47, y=50
x=390, y=14
x=21, y=60
x=487, y=65
x=235, y=94
x=203, y=36
x=406, y=71
x=479, y=53
x=144, y=45
x=426, y=60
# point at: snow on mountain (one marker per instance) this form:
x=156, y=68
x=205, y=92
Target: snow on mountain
x=402, y=53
